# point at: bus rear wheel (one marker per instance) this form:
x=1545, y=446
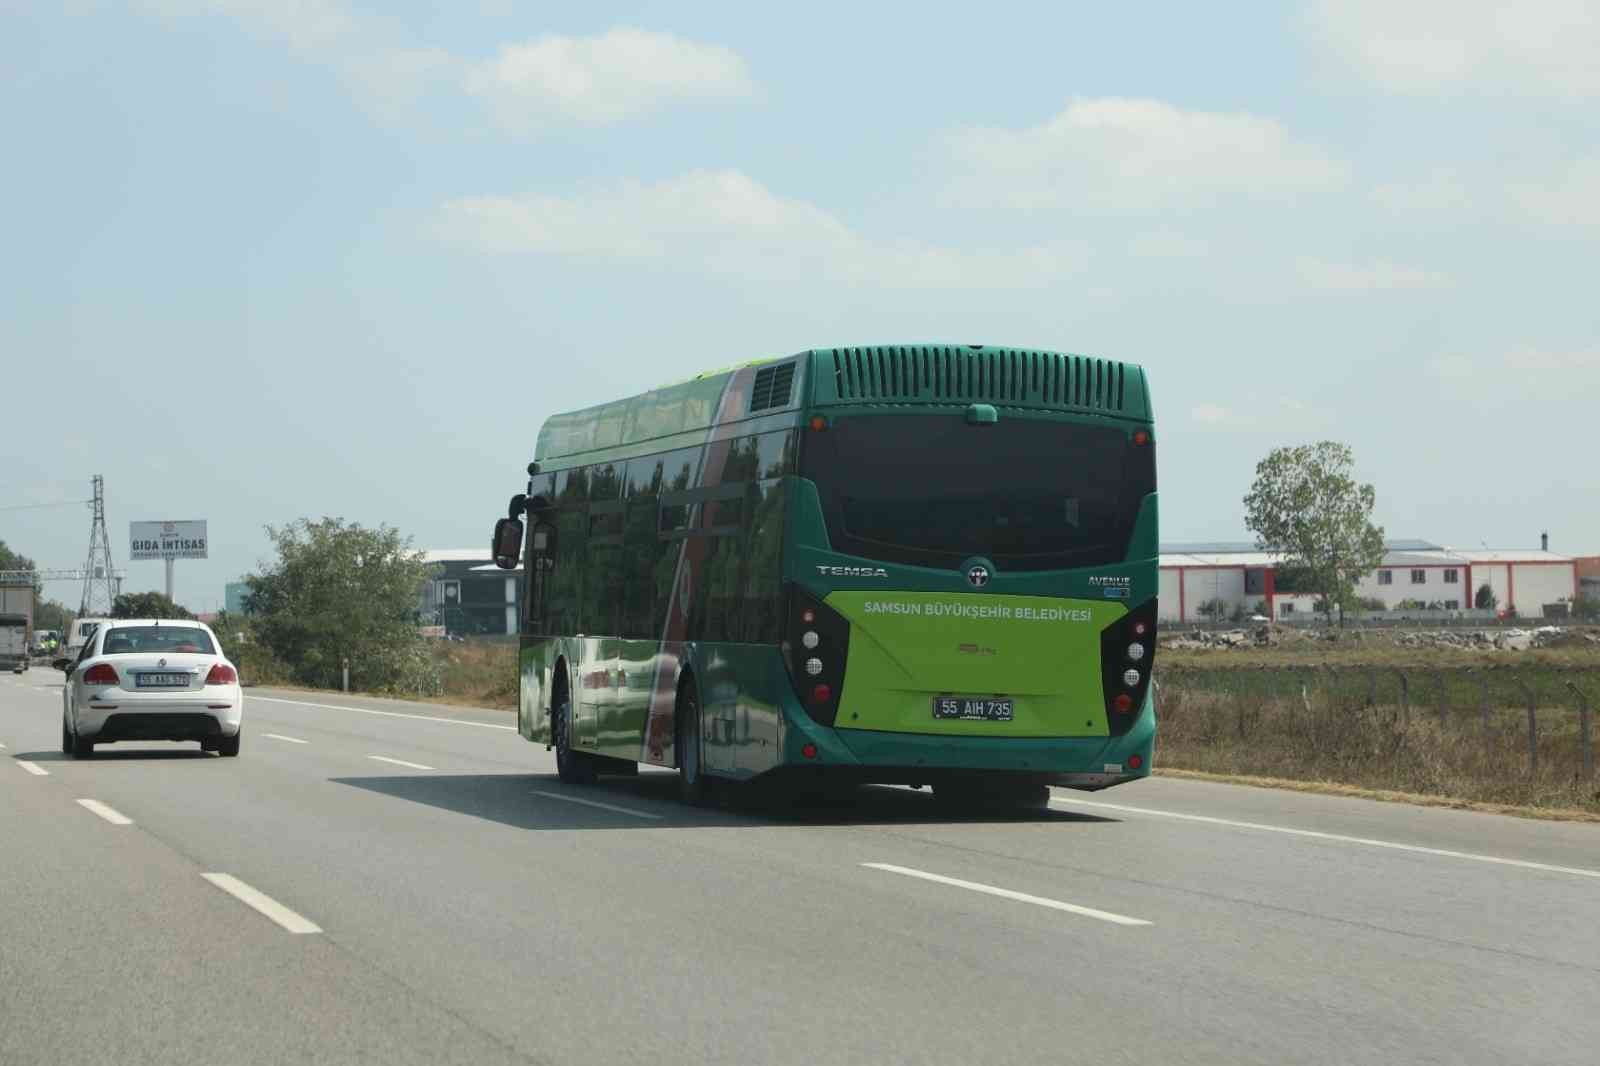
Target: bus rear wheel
x=693, y=786
x=572, y=767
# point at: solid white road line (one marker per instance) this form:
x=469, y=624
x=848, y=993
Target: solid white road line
x=1006, y=893
x=386, y=714
x=280, y=736
x=596, y=803
x=263, y=903
x=400, y=762
x=112, y=816
x=33, y=768
x=1336, y=837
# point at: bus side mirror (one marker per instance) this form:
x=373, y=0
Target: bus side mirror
x=63, y=665
x=507, y=543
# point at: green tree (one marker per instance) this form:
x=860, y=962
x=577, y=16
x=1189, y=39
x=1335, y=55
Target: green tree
x=10, y=560
x=339, y=591
x=1305, y=505
x=1485, y=600
x=48, y=614
x=146, y=605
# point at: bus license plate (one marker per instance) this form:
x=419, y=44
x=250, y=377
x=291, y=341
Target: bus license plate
x=163, y=681
x=973, y=708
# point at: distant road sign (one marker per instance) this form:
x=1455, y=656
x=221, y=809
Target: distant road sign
x=166, y=540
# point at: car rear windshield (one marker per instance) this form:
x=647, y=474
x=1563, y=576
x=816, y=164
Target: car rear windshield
x=932, y=490
x=136, y=640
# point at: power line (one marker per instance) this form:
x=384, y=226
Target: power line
x=35, y=506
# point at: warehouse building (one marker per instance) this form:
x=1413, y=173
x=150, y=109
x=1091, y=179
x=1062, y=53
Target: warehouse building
x=469, y=595
x=1244, y=579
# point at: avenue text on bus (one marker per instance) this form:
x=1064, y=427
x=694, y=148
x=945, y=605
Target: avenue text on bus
x=919, y=564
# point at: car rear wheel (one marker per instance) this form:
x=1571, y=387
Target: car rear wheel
x=81, y=749
x=229, y=746
x=66, y=737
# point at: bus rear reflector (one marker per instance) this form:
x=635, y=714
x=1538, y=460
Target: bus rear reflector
x=821, y=694
x=809, y=751
x=1123, y=703
x=1134, y=762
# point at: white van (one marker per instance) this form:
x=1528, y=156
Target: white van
x=78, y=634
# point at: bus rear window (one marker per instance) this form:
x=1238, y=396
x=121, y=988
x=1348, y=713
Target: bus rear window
x=932, y=490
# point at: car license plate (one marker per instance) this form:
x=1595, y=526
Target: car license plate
x=163, y=681
x=973, y=708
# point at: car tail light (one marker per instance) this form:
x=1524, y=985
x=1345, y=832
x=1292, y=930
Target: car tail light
x=816, y=643
x=222, y=674
x=1124, y=686
x=101, y=674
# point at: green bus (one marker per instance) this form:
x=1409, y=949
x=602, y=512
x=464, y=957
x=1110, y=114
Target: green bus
x=918, y=564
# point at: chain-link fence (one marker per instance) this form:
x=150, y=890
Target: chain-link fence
x=1509, y=733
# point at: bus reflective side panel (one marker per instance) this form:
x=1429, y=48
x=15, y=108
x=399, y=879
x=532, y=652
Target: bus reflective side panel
x=692, y=550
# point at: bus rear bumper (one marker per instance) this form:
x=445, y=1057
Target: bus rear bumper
x=1089, y=763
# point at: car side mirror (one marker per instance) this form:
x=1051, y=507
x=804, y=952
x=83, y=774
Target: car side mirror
x=507, y=543
x=64, y=665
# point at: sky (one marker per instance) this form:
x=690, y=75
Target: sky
x=272, y=259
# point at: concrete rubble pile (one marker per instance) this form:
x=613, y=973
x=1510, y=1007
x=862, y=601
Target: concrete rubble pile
x=1464, y=639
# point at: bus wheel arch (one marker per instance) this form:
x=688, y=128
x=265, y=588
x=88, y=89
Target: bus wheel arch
x=572, y=767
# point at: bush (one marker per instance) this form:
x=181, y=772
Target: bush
x=1215, y=609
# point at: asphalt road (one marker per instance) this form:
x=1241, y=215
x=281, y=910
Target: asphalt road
x=383, y=882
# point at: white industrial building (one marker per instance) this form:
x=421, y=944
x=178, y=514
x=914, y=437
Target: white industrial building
x=1243, y=577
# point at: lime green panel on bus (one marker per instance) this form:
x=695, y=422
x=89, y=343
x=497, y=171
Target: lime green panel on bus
x=908, y=647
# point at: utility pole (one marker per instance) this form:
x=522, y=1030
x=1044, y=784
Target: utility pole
x=98, y=576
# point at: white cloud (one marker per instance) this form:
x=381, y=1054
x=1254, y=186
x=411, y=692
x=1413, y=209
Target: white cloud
x=1570, y=198
x=620, y=74
x=1258, y=413
x=1379, y=275
x=305, y=24
x=1137, y=154
x=1167, y=244
x=725, y=222
x=1441, y=192
x=1532, y=47
x=1562, y=361
x=1211, y=413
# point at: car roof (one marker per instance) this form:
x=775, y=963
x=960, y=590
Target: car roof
x=172, y=623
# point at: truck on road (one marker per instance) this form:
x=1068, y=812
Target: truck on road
x=16, y=626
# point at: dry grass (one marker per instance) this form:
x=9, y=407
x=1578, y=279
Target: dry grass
x=1329, y=734
x=478, y=673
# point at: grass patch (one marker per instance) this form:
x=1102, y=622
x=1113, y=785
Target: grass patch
x=478, y=673
x=1460, y=734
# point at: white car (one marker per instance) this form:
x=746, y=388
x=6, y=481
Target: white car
x=151, y=679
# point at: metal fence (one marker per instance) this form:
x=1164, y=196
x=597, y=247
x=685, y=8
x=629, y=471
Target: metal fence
x=1549, y=699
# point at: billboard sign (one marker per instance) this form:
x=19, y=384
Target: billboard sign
x=166, y=540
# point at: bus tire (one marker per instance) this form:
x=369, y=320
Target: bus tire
x=694, y=788
x=572, y=767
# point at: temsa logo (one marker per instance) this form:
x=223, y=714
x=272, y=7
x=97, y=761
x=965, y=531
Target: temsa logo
x=852, y=571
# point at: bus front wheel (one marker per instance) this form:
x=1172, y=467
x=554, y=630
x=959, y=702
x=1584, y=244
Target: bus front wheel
x=572, y=767
x=693, y=787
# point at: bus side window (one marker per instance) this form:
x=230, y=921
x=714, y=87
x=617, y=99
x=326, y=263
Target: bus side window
x=640, y=548
x=602, y=584
x=536, y=585
x=572, y=527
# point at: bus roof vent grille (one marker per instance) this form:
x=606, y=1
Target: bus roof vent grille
x=772, y=387
x=947, y=374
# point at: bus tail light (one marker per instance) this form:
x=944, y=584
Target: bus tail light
x=816, y=644
x=1134, y=762
x=101, y=674
x=1130, y=639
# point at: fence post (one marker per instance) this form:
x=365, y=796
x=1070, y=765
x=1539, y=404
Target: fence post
x=1405, y=699
x=1483, y=703
x=1533, y=729
x=1585, y=734
x=1441, y=693
x=345, y=664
